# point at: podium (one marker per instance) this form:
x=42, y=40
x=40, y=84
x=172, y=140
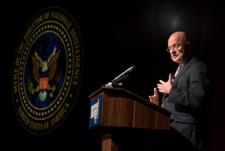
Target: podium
x=117, y=114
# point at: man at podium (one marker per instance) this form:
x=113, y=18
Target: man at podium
x=184, y=93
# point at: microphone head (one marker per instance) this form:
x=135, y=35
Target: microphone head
x=124, y=75
x=132, y=68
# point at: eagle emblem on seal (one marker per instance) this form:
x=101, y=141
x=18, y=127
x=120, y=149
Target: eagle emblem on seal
x=43, y=72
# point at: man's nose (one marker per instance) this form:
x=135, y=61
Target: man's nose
x=173, y=51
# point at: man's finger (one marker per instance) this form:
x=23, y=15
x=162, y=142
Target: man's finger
x=160, y=90
x=161, y=81
x=170, y=77
x=155, y=91
x=159, y=86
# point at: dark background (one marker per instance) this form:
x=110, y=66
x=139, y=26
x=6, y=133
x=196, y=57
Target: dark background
x=117, y=34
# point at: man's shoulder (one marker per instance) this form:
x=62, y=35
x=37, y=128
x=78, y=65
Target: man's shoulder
x=197, y=60
x=198, y=65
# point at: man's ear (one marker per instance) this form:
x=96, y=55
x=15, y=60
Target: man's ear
x=187, y=46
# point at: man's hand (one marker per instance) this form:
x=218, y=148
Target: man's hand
x=165, y=87
x=154, y=98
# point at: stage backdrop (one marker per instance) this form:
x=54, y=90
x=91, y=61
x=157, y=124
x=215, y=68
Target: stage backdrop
x=114, y=35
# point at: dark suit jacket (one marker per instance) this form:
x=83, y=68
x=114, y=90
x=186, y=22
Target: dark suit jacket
x=187, y=98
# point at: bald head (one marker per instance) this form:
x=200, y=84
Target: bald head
x=178, y=47
x=178, y=37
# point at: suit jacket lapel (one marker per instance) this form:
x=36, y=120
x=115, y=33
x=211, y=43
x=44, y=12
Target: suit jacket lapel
x=183, y=70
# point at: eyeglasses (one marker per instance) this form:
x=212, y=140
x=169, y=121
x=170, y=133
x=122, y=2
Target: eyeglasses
x=174, y=47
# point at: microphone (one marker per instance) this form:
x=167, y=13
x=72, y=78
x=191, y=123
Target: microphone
x=123, y=75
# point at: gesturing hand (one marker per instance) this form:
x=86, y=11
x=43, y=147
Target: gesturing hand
x=154, y=98
x=165, y=87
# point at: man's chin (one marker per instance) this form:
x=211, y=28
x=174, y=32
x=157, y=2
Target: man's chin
x=175, y=60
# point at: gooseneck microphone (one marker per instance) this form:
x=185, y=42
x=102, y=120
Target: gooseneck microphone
x=117, y=80
x=124, y=74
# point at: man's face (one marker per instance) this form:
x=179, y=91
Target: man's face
x=176, y=49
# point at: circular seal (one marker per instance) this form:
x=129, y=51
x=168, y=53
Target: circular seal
x=47, y=70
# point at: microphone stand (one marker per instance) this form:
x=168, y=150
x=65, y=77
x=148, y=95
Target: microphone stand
x=122, y=76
